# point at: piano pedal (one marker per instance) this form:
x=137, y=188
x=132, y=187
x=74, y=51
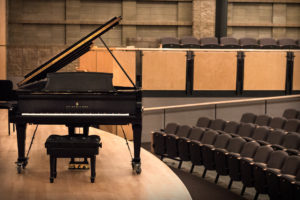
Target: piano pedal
x=82, y=165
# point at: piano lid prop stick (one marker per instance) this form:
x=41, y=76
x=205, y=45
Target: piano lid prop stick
x=126, y=142
x=117, y=62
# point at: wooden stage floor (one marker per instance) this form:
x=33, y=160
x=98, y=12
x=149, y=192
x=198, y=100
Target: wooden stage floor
x=114, y=176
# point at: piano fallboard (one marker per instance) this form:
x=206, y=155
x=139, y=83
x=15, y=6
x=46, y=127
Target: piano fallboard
x=108, y=102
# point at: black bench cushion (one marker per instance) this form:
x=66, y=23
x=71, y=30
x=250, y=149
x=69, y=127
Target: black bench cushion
x=77, y=141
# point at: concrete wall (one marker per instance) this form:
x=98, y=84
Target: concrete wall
x=275, y=19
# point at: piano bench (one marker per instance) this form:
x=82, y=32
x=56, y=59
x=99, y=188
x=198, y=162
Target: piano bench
x=78, y=146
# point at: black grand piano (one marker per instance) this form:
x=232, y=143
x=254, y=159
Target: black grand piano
x=75, y=99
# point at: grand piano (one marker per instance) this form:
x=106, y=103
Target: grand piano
x=75, y=99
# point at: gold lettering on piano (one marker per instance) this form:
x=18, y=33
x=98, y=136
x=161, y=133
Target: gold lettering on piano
x=76, y=106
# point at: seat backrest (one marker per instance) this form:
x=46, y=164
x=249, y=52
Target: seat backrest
x=261, y=133
x=222, y=140
x=262, y=154
x=268, y=43
x=263, y=120
x=231, y=127
x=291, y=125
x=249, y=149
x=277, y=159
x=290, y=113
x=196, y=133
x=229, y=42
x=183, y=131
x=246, y=130
x=248, y=118
x=291, y=140
x=235, y=144
x=291, y=165
x=209, y=42
x=170, y=42
x=209, y=137
x=171, y=128
x=189, y=42
x=276, y=137
x=203, y=122
x=248, y=42
x=217, y=124
x=277, y=122
x=287, y=43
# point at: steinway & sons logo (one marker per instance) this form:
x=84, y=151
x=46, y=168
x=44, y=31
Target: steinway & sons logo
x=76, y=106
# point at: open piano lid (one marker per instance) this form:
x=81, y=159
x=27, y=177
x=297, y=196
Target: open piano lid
x=68, y=55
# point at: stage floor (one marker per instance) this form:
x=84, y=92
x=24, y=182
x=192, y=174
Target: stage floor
x=114, y=176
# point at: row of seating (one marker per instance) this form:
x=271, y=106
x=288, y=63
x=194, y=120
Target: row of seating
x=291, y=114
x=226, y=154
x=230, y=42
x=290, y=125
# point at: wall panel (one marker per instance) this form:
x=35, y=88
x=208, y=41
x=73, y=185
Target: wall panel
x=164, y=70
x=215, y=70
x=296, y=75
x=265, y=71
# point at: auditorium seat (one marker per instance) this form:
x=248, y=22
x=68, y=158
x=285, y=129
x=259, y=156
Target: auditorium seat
x=203, y=122
x=172, y=140
x=275, y=161
x=234, y=160
x=298, y=43
x=261, y=156
x=209, y=42
x=184, y=143
x=208, y=150
x=245, y=130
x=260, y=134
x=248, y=43
x=235, y=145
x=230, y=127
x=170, y=42
x=189, y=42
x=290, y=113
x=159, y=138
x=291, y=125
x=287, y=43
x=277, y=122
x=229, y=42
x=209, y=137
x=248, y=118
x=290, y=186
x=291, y=143
x=290, y=167
x=274, y=137
x=263, y=120
x=268, y=43
x=217, y=124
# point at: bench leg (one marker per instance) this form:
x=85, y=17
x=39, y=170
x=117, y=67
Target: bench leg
x=93, y=165
x=52, y=168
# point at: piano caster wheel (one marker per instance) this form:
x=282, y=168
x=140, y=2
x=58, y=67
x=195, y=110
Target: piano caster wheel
x=19, y=168
x=51, y=180
x=24, y=164
x=92, y=180
x=136, y=167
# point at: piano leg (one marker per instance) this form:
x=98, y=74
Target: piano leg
x=137, y=137
x=21, y=137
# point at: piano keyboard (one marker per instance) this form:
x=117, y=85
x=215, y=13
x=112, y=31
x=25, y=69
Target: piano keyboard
x=77, y=114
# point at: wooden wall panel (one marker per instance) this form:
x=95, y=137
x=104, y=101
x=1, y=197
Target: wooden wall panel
x=100, y=60
x=215, y=71
x=164, y=70
x=265, y=71
x=296, y=77
x=127, y=59
x=88, y=62
x=2, y=62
